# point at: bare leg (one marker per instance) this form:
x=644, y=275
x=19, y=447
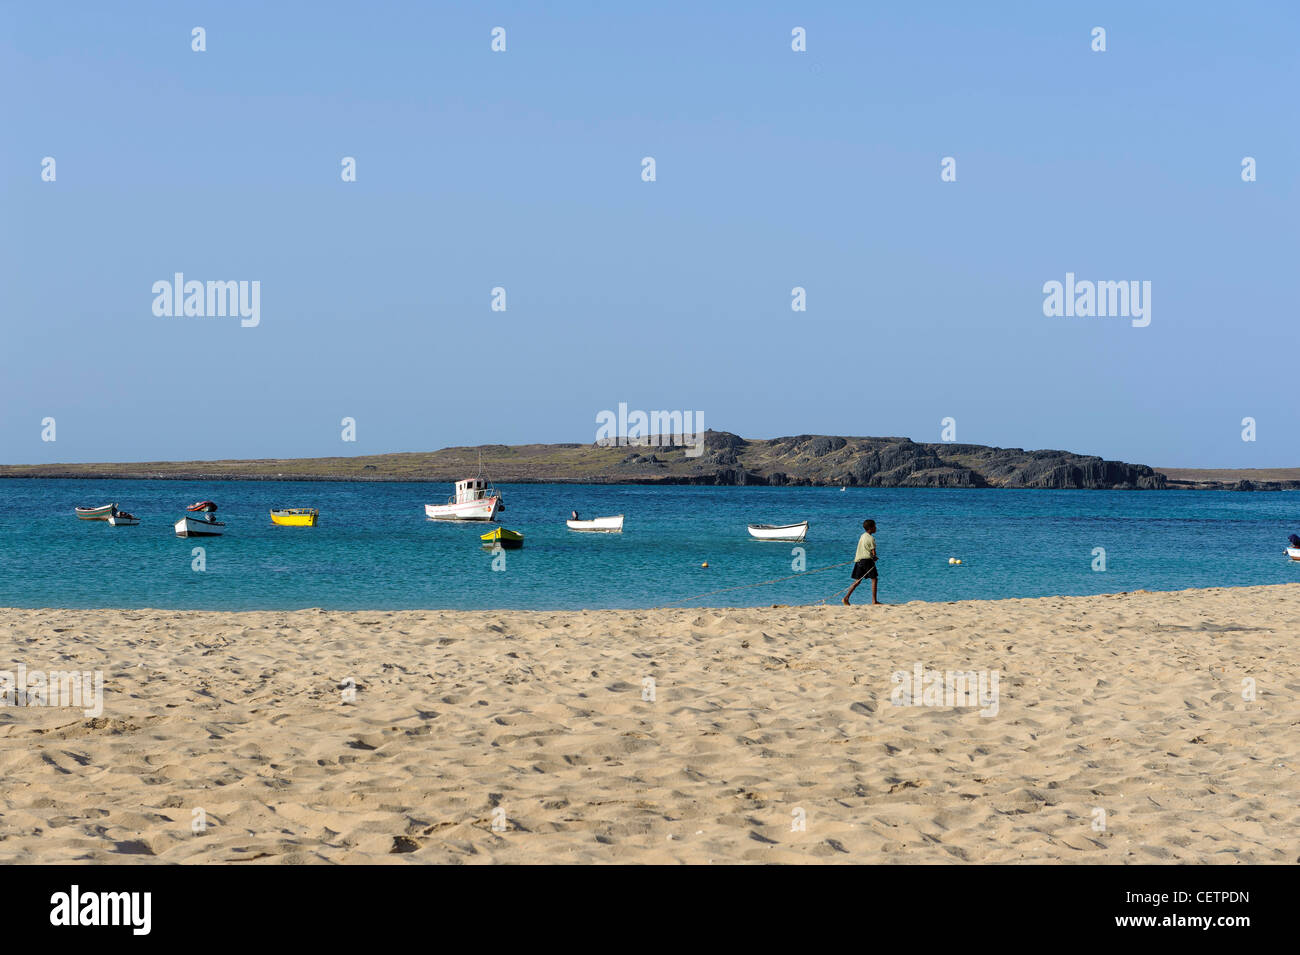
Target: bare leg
x=873, y=590
x=851, y=589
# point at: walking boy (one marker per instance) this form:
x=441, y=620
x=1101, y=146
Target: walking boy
x=864, y=562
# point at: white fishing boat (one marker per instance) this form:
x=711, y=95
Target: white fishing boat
x=779, y=532
x=607, y=525
x=196, y=527
x=1293, y=553
x=123, y=519
x=475, y=500
x=101, y=513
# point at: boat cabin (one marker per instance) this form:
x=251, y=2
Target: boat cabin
x=473, y=489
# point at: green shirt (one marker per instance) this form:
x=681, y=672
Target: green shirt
x=866, y=548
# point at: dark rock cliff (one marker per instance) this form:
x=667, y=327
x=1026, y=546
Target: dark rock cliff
x=809, y=459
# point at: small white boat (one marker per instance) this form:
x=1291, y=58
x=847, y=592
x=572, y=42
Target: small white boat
x=1293, y=553
x=101, y=513
x=779, y=532
x=607, y=525
x=475, y=500
x=123, y=519
x=193, y=527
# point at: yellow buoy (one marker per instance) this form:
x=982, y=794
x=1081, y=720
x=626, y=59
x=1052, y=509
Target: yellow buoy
x=952, y=560
x=705, y=564
x=959, y=561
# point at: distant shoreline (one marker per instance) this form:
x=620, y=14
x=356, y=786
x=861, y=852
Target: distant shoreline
x=1184, y=482
x=721, y=459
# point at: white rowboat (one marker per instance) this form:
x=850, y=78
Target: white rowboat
x=779, y=532
x=193, y=527
x=1293, y=553
x=608, y=525
x=123, y=520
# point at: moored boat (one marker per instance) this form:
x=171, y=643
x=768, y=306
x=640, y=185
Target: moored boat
x=779, y=532
x=475, y=500
x=102, y=513
x=608, y=525
x=202, y=507
x=123, y=519
x=500, y=536
x=295, y=516
x=1293, y=553
x=194, y=527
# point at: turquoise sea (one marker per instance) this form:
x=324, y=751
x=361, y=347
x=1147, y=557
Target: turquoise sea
x=374, y=549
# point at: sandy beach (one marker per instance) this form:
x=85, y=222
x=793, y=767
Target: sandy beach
x=1122, y=732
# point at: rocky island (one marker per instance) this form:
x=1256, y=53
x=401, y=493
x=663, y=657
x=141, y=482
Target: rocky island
x=723, y=458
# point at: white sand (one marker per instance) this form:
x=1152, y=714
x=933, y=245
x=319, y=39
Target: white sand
x=1129, y=704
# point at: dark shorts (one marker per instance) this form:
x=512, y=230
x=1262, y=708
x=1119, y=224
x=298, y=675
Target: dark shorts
x=865, y=568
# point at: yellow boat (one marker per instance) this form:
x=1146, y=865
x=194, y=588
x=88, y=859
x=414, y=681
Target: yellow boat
x=510, y=540
x=295, y=516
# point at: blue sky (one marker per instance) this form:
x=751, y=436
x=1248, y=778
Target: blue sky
x=522, y=169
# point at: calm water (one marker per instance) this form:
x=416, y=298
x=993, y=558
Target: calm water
x=374, y=549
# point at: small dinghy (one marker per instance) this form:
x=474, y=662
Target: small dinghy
x=295, y=516
x=510, y=540
x=607, y=525
x=779, y=532
x=102, y=513
x=1293, y=553
x=202, y=507
x=123, y=519
x=193, y=527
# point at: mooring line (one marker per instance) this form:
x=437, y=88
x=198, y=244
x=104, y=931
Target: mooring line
x=837, y=593
x=709, y=593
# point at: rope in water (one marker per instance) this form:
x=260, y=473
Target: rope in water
x=761, y=583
